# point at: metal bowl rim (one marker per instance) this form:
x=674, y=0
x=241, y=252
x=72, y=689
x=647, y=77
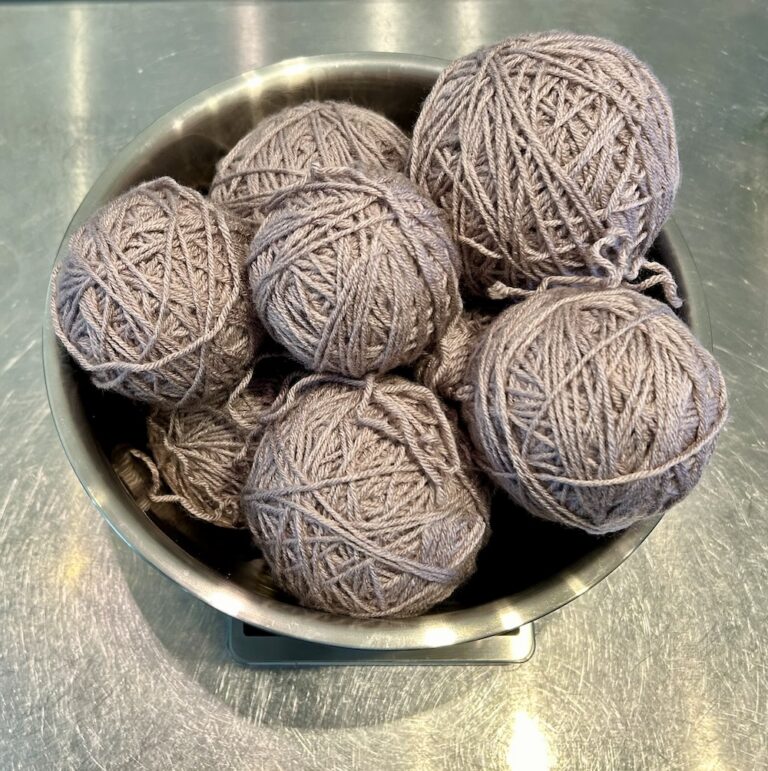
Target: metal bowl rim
x=128, y=521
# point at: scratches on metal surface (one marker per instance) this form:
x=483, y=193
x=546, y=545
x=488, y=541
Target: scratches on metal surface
x=106, y=664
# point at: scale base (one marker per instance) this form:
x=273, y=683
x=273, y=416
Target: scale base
x=257, y=648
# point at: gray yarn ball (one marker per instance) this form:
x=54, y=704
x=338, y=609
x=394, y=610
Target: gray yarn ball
x=151, y=300
x=282, y=147
x=204, y=453
x=552, y=154
x=445, y=368
x=594, y=408
x=361, y=498
x=354, y=272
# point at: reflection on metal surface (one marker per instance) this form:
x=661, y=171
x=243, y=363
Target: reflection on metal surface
x=295, y=68
x=528, y=749
x=576, y=585
x=254, y=81
x=79, y=98
x=439, y=636
x=705, y=753
x=510, y=619
x=468, y=16
x=249, y=28
x=226, y=603
x=388, y=19
x=73, y=562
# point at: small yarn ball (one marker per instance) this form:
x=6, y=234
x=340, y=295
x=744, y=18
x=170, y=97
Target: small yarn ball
x=151, y=299
x=354, y=272
x=552, y=154
x=204, y=453
x=282, y=147
x=445, y=368
x=594, y=409
x=361, y=498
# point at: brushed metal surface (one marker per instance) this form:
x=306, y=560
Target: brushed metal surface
x=555, y=565
x=106, y=664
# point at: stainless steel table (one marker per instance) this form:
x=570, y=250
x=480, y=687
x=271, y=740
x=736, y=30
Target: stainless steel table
x=105, y=664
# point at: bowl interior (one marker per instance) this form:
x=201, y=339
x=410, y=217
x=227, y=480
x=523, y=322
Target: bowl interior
x=549, y=564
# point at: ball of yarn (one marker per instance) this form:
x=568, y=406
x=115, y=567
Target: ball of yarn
x=280, y=150
x=204, y=453
x=593, y=408
x=354, y=272
x=553, y=154
x=151, y=299
x=361, y=499
x=445, y=368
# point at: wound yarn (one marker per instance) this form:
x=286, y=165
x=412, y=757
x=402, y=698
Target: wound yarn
x=282, y=147
x=444, y=370
x=361, y=499
x=203, y=453
x=354, y=272
x=553, y=154
x=151, y=301
x=594, y=408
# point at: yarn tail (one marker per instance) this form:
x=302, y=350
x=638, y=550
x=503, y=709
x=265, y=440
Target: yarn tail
x=621, y=269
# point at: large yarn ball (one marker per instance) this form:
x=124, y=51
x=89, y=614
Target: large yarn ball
x=594, y=409
x=551, y=153
x=151, y=299
x=362, y=500
x=204, y=453
x=354, y=272
x=282, y=147
x=445, y=368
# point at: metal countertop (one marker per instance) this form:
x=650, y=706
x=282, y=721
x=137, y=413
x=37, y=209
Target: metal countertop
x=104, y=663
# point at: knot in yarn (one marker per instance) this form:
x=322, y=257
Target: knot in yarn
x=354, y=272
x=612, y=266
x=282, y=147
x=541, y=146
x=151, y=300
x=361, y=500
x=444, y=370
x=594, y=409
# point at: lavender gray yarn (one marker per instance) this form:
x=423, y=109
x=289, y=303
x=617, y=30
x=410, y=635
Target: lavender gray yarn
x=553, y=154
x=594, y=408
x=280, y=150
x=150, y=300
x=444, y=369
x=354, y=272
x=204, y=453
x=360, y=499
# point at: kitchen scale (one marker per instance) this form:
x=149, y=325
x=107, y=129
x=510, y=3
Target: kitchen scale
x=257, y=648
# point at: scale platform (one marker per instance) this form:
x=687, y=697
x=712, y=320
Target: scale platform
x=257, y=648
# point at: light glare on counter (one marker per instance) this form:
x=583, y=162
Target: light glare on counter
x=528, y=749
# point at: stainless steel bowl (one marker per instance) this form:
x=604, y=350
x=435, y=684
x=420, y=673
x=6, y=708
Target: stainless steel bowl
x=530, y=569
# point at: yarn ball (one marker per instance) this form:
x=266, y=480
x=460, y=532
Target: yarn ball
x=282, y=147
x=552, y=154
x=594, y=409
x=361, y=499
x=354, y=272
x=445, y=368
x=151, y=299
x=204, y=453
